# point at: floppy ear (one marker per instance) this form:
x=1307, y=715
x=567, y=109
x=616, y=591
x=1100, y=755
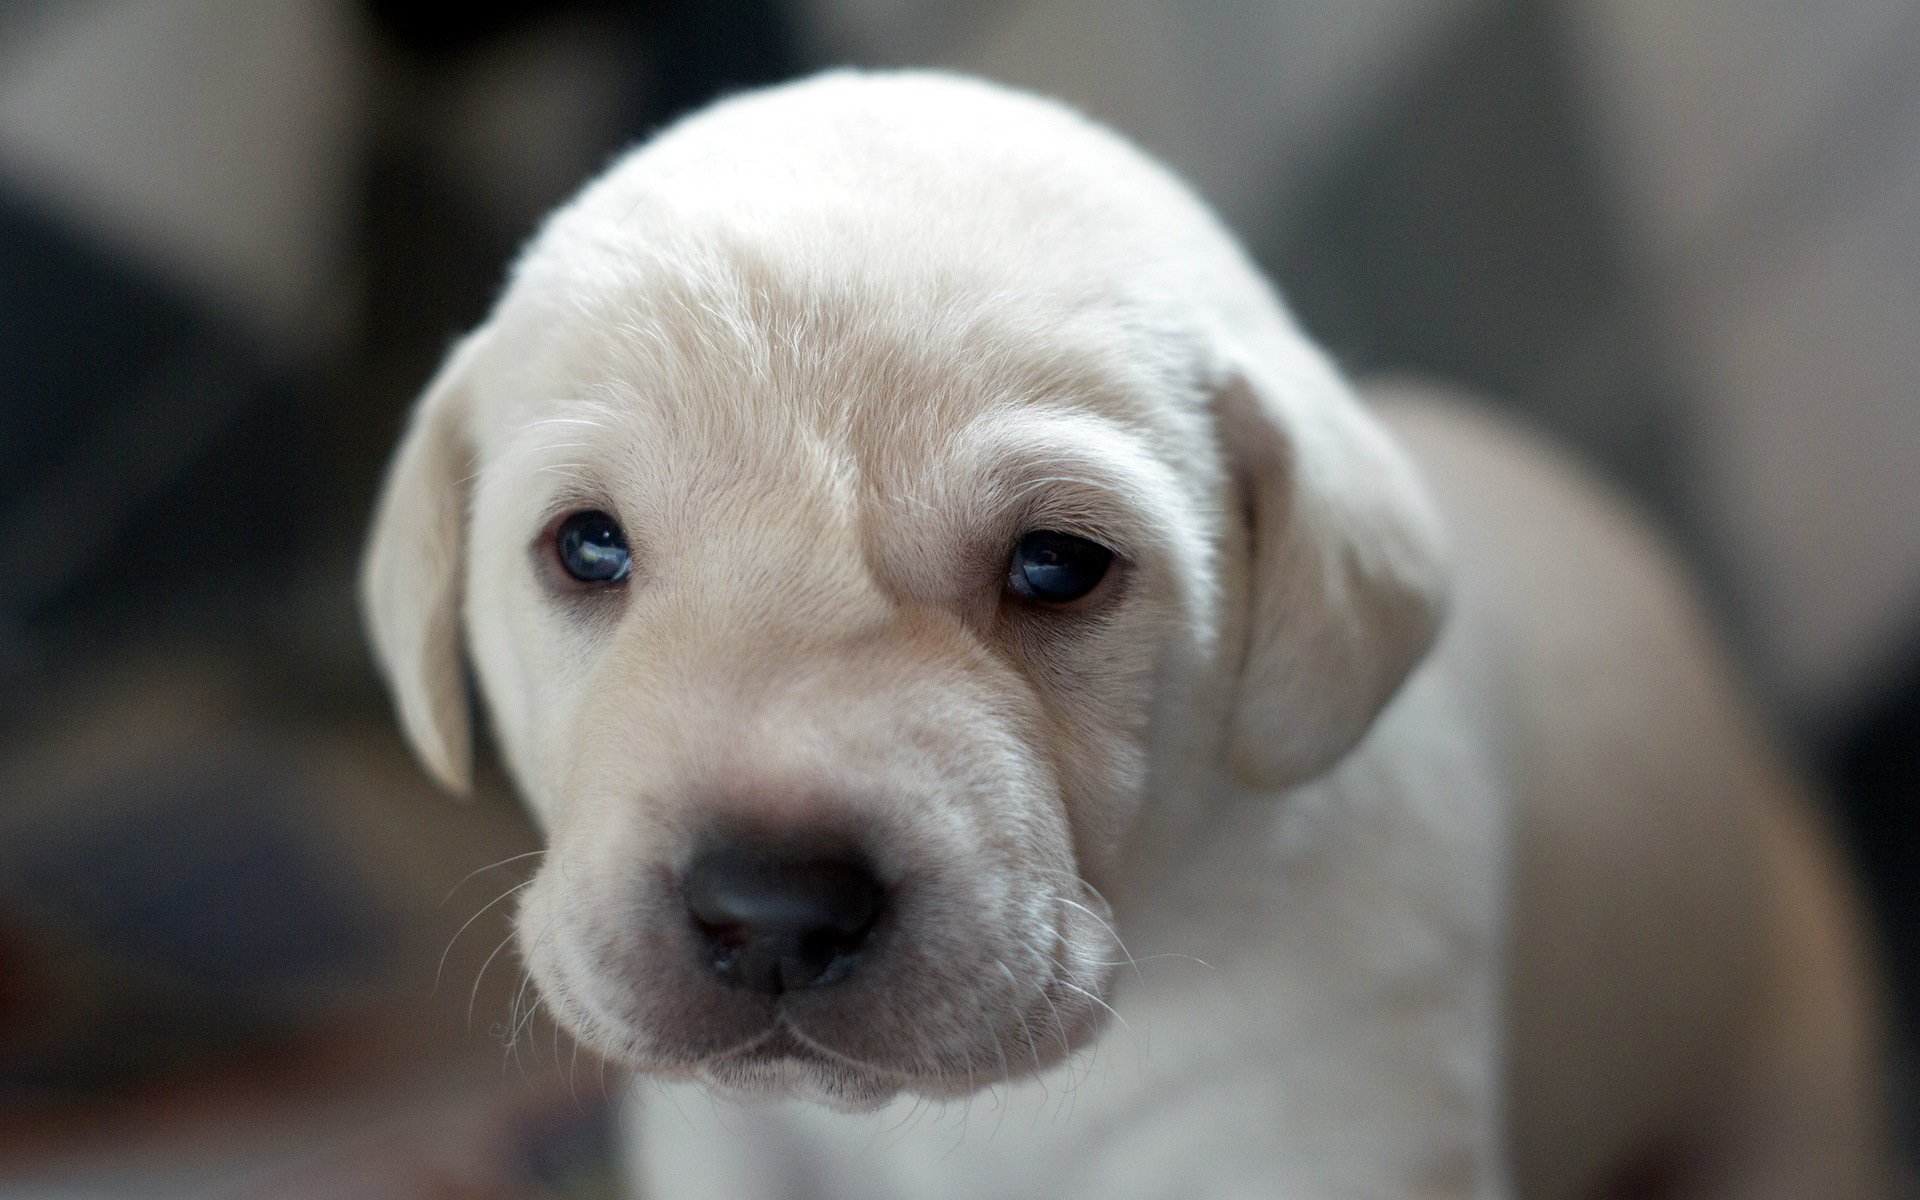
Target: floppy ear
x=1348, y=577
x=410, y=589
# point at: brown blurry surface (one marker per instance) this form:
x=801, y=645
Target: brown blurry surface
x=372, y=1053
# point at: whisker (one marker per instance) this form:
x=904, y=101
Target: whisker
x=1006, y=1081
x=473, y=998
x=441, y=969
x=514, y=1020
x=1113, y=933
x=1147, y=958
x=465, y=879
x=1033, y=1047
x=586, y=421
x=1070, y=986
x=514, y=1025
x=573, y=1067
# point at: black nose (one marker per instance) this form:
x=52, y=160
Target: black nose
x=771, y=922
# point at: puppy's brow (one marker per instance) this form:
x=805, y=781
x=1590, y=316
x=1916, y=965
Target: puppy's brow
x=1020, y=456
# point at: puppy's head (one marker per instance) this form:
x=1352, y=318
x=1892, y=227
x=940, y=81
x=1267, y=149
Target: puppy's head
x=854, y=498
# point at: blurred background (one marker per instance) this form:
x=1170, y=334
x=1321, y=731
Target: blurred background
x=235, y=235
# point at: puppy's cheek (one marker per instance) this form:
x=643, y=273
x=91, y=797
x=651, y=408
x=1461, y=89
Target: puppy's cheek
x=558, y=976
x=539, y=674
x=1098, y=706
x=566, y=950
x=505, y=651
x=1102, y=768
x=607, y=940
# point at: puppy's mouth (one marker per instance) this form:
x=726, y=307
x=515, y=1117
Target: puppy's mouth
x=784, y=1063
x=931, y=1005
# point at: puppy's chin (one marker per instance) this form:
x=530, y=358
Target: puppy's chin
x=759, y=1077
x=786, y=1065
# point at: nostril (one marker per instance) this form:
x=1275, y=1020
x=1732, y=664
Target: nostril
x=771, y=921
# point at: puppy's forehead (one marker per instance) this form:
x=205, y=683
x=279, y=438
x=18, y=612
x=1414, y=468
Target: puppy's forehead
x=726, y=354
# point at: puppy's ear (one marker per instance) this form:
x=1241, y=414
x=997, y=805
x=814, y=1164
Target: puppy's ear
x=1348, y=578
x=410, y=577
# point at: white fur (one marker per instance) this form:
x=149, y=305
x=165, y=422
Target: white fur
x=1414, y=864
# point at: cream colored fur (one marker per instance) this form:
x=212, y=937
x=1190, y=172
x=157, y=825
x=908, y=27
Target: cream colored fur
x=1387, y=829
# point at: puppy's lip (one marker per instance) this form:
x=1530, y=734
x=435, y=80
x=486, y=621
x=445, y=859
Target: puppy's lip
x=796, y=1039
x=784, y=1063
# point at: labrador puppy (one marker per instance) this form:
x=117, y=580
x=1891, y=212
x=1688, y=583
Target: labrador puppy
x=1008, y=721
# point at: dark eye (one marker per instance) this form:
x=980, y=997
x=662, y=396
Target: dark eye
x=593, y=548
x=1056, y=567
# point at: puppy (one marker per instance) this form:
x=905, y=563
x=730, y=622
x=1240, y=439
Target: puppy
x=999, y=703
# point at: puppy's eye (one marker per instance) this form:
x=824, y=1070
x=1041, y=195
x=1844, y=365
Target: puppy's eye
x=1056, y=568
x=593, y=548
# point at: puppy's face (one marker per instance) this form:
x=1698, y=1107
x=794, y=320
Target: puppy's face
x=827, y=593
x=858, y=635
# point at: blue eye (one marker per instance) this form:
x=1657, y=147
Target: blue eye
x=593, y=548
x=1056, y=568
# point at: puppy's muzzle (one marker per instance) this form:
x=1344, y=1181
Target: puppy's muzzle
x=771, y=918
